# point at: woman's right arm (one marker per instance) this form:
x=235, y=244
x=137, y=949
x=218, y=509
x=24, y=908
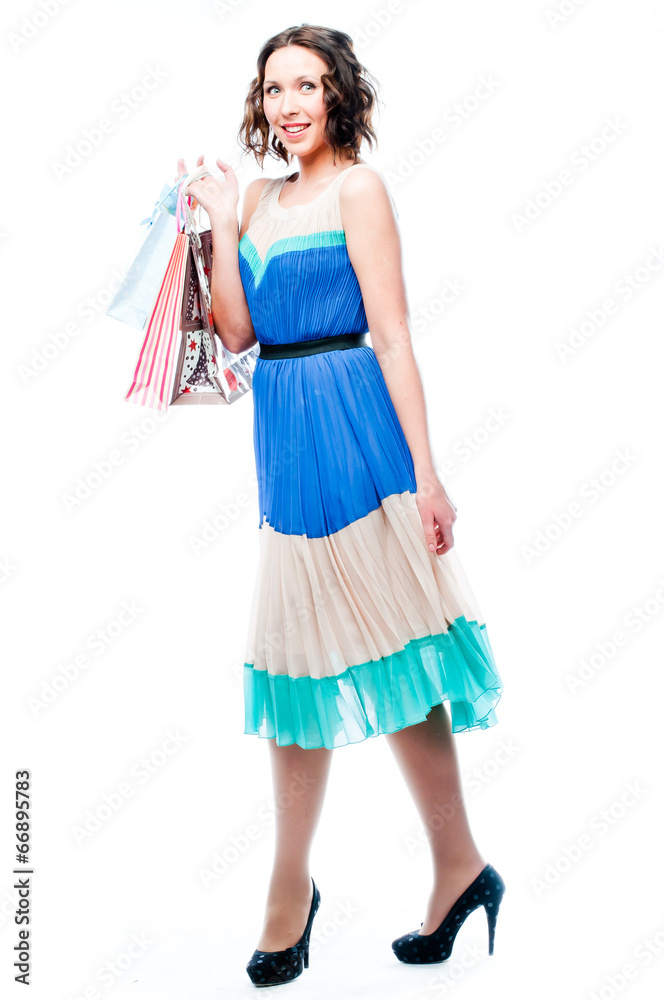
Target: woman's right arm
x=230, y=312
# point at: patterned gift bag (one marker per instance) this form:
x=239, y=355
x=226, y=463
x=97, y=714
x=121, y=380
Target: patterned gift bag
x=206, y=372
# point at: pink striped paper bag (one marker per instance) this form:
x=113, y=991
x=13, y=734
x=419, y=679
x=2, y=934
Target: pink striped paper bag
x=155, y=368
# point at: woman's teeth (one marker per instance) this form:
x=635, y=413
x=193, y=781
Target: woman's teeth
x=294, y=129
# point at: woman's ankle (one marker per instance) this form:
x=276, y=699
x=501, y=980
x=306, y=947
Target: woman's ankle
x=447, y=867
x=291, y=889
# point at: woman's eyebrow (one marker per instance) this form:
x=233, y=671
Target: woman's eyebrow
x=305, y=76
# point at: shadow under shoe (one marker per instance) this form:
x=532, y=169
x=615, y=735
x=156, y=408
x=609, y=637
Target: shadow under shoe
x=270, y=968
x=486, y=890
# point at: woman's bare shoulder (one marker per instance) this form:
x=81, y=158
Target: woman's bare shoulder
x=254, y=188
x=366, y=183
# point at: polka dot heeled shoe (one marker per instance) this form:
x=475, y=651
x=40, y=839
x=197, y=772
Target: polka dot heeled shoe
x=486, y=890
x=270, y=968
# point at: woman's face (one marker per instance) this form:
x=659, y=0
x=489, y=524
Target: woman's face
x=293, y=95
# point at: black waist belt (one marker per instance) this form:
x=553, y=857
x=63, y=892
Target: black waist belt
x=301, y=348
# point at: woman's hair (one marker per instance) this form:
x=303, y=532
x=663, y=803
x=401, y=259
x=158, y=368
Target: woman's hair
x=349, y=96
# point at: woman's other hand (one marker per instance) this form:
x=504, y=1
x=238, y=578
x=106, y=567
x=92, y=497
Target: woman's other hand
x=438, y=514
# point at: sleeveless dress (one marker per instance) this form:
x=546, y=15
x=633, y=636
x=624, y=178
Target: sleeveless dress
x=355, y=628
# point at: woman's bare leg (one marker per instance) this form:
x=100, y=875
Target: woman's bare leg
x=300, y=779
x=426, y=755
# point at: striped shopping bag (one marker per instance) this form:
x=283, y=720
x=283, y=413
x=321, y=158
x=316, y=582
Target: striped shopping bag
x=155, y=368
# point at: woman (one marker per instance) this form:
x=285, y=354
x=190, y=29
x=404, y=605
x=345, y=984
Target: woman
x=363, y=622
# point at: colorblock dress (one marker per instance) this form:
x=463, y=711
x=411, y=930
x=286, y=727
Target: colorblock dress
x=355, y=628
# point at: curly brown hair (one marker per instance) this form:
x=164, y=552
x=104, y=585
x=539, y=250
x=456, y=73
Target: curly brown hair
x=349, y=95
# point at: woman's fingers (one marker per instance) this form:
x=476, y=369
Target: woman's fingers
x=199, y=163
x=444, y=538
x=182, y=172
x=182, y=168
x=224, y=167
x=209, y=184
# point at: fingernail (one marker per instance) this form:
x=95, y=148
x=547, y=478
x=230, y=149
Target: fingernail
x=430, y=546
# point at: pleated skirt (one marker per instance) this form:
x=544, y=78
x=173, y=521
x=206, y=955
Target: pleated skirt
x=355, y=628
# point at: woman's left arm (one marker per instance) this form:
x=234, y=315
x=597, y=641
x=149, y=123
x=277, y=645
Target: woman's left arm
x=374, y=247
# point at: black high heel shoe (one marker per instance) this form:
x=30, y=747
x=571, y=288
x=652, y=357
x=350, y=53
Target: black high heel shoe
x=486, y=890
x=268, y=968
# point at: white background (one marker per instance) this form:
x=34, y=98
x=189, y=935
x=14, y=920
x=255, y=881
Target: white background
x=571, y=920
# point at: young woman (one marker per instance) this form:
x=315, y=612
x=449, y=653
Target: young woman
x=363, y=621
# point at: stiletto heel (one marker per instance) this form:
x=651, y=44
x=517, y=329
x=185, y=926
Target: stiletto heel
x=491, y=915
x=486, y=890
x=269, y=968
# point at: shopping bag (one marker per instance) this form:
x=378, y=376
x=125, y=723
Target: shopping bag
x=151, y=384
x=206, y=372
x=167, y=201
x=182, y=360
x=134, y=299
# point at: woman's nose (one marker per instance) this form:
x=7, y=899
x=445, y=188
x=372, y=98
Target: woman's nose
x=289, y=103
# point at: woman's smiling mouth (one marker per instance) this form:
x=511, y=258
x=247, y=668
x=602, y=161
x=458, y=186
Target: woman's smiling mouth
x=295, y=128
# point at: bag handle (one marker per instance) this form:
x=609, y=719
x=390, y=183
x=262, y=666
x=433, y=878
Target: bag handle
x=196, y=176
x=182, y=195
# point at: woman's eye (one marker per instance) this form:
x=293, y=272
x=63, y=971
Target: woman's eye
x=274, y=87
